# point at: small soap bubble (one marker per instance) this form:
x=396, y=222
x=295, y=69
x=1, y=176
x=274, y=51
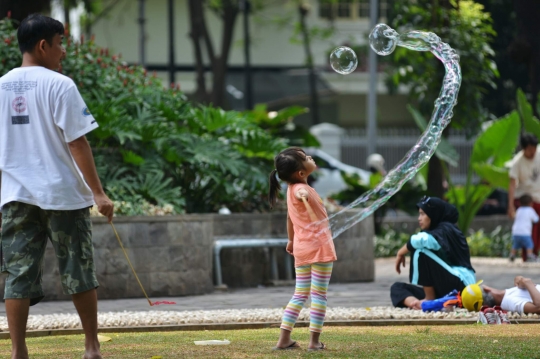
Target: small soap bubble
x=343, y=60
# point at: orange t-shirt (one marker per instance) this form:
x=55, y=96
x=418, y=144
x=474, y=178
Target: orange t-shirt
x=312, y=244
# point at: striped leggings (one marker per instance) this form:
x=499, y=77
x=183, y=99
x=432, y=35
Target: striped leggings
x=312, y=277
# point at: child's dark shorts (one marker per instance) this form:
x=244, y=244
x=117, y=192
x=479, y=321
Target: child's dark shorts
x=25, y=229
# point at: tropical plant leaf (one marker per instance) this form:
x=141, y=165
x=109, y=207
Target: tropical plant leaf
x=495, y=176
x=523, y=106
x=496, y=144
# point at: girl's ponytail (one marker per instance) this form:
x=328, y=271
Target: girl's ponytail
x=274, y=188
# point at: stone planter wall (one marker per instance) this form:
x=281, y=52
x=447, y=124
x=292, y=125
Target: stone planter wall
x=251, y=267
x=409, y=224
x=172, y=255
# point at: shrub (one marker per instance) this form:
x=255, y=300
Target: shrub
x=496, y=243
x=154, y=147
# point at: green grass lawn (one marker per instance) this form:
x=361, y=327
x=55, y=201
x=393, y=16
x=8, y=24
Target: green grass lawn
x=455, y=341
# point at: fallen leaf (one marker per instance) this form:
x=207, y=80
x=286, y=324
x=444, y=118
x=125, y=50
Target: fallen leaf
x=102, y=338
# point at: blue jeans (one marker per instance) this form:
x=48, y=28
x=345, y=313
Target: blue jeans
x=522, y=242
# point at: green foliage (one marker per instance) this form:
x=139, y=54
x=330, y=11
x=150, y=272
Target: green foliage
x=154, y=147
x=389, y=243
x=497, y=243
x=491, y=150
x=468, y=30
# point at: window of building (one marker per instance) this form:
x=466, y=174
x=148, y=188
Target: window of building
x=349, y=9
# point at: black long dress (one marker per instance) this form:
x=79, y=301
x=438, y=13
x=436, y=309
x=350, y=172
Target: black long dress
x=454, y=251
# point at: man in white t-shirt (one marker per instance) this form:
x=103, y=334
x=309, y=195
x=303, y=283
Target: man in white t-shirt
x=523, y=298
x=49, y=182
x=525, y=179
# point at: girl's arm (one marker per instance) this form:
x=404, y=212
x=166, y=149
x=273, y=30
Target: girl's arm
x=303, y=195
x=290, y=234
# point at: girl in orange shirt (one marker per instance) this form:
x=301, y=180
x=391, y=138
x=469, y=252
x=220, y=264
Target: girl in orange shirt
x=310, y=242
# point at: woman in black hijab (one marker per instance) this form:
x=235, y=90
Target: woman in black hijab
x=440, y=257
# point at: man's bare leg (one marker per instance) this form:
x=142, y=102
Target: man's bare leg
x=17, y=316
x=86, y=305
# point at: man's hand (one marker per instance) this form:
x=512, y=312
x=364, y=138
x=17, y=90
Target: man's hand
x=511, y=210
x=290, y=245
x=105, y=206
x=522, y=282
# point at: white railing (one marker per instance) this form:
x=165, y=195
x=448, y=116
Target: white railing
x=394, y=143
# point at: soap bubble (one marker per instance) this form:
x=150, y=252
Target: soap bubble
x=383, y=39
x=343, y=60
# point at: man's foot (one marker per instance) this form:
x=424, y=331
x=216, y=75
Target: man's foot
x=503, y=317
x=512, y=258
x=287, y=346
x=316, y=346
x=488, y=315
x=20, y=355
x=92, y=355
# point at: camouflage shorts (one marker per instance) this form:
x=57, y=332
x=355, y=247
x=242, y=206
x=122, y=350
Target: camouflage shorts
x=25, y=229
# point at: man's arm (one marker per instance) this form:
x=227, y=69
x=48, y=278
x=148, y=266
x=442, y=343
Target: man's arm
x=511, y=191
x=82, y=154
x=527, y=283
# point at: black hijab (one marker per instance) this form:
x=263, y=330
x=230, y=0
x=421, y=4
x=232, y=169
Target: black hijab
x=454, y=248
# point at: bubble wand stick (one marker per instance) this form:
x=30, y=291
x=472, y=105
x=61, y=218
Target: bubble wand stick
x=383, y=40
x=136, y=276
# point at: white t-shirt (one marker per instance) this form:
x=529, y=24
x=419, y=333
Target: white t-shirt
x=526, y=172
x=523, y=223
x=514, y=299
x=41, y=111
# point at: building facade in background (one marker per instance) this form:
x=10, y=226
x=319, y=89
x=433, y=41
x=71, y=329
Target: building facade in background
x=279, y=78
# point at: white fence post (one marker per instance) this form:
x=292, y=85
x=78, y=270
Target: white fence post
x=329, y=135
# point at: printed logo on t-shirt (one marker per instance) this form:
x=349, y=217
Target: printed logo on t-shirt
x=86, y=112
x=19, y=104
x=534, y=174
x=20, y=120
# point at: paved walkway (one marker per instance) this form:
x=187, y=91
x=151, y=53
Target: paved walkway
x=496, y=272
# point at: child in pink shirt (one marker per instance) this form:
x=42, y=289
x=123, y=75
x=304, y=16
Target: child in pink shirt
x=310, y=242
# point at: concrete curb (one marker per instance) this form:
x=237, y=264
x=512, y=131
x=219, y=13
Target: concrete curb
x=259, y=325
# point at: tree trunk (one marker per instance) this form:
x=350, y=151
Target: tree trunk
x=303, y=12
x=230, y=13
x=435, y=178
x=67, y=22
x=197, y=35
x=20, y=9
x=527, y=15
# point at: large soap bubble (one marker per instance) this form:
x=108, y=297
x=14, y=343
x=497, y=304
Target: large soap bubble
x=383, y=40
x=343, y=60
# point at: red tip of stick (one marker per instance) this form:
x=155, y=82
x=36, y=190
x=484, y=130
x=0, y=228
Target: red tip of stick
x=162, y=302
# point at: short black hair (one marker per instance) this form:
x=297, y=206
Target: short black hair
x=37, y=27
x=528, y=139
x=525, y=200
